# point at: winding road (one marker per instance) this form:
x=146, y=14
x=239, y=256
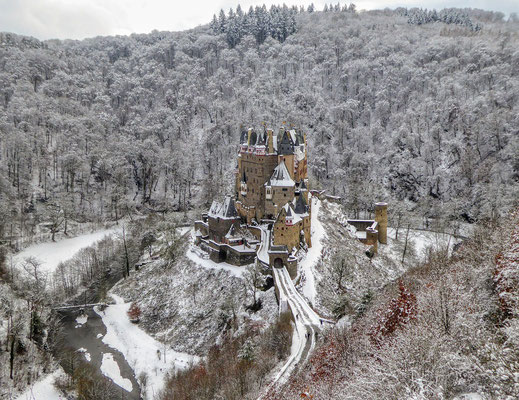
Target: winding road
x=307, y=323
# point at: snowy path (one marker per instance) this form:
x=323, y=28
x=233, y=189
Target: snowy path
x=262, y=253
x=52, y=253
x=309, y=263
x=142, y=352
x=308, y=324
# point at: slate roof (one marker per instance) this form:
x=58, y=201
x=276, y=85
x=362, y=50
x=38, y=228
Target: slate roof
x=301, y=207
x=232, y=233
x=286, y=144
x=281, y=176
x=225, y=210
x=243, y=137
x=261, y=140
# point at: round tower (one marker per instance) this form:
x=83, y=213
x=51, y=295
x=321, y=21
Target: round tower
x=381, y=218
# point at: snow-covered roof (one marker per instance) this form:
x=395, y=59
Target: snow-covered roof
x=225, y=210
x=291, y=213
x=261, y=139
x=232, y=233
x=293, y=135
x=281, y=176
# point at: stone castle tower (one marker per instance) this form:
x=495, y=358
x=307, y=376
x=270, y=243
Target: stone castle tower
x=272, y=183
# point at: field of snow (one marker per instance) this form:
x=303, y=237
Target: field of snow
x=142, y=352
x=424, y=240
x=110, y=369
x=52, y=253
x=44, y=389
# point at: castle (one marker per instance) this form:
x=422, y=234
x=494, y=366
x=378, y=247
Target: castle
x=271, y=195
x=269, y=216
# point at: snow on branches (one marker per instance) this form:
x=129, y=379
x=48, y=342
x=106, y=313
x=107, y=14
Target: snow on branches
x=506, y=274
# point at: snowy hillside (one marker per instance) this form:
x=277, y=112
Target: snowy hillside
x=448, y=330
x=338, y=268
x=190, y=304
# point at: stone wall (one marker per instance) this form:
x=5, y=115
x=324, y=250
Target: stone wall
x=225, y=253
x=258, y=169
x=280, y=197
x=287, y=235
x=218, y=227
x=203, y=227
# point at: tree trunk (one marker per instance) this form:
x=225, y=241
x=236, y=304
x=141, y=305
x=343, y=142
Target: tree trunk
x=127, y=272
x=11, y=357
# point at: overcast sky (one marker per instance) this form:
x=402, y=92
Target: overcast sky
x=78, y=19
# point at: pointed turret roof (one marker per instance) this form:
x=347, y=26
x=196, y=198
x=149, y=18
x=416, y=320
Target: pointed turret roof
x=281, y=176
x=289, y=213
x=294, y=136
x=286, y=144
x=253, y=137
x=243, y=137
x=300, y=206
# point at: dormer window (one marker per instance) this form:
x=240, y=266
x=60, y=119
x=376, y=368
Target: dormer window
x=268, y=194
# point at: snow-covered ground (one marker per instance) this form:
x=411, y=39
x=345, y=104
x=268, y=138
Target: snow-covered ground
x=142, y=352
x=308, y=264
x=110, y=369
x=424, y=240
x=44, y=389
x=52, y=253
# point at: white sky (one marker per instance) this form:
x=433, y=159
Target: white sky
x=77, y=19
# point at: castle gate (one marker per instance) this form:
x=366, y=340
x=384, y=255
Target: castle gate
x=278, y=263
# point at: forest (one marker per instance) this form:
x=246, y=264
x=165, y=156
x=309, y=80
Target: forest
x=416, y=111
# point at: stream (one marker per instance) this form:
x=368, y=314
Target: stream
x=83, y=333
x=89, y=338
